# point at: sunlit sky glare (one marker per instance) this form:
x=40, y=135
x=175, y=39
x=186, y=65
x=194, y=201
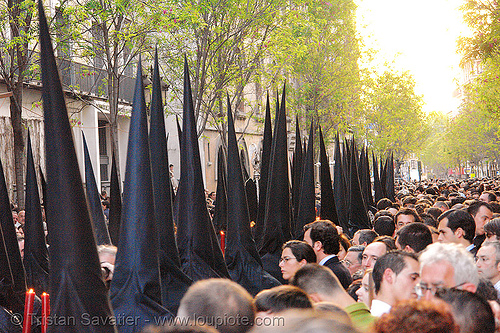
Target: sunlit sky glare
x=421, y=37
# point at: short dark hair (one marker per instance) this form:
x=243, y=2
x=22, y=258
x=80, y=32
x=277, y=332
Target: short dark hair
x=409, y=200
x=389, y=242
x=395, y=260
x=472, y=313
x=491, y=195
x=406, y=211
x=429, y=219
x=281, y=298
x=458, y=218
x=384, y=225
x=301, y=250
x=313, y=278
x=416, y=235
x=476, y=205
x=359, y=249
x=383, y=212
x=434, y=211
x=367, y=235
x=384, y=203
x=324, y=231
x=493, y=227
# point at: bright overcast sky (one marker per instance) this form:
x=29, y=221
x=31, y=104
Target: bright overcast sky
x=422, y=38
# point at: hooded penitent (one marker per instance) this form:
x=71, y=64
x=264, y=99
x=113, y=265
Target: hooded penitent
x=264, y=175
x=277, y=216
x=340, y=188
x=135, y=288
x=93, y=200
x=36, y=255
x=377, y=185
x=297, y=168
x=199, y=251
x=251, y=191
x=242, y=258
x=358, y=217
x=77, y=289
x=389, y=182
x=115, y=204
x=307, y=198
x=220, y=211
x=174, y=283
x=328, y=210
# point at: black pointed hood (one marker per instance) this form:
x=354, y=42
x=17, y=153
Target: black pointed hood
x=307, y=199
x=76, y=285
x=383, y=175
x=358, y=217
x=242, y=258
x=297, y=169
x=244, y=170
x=251, y=191
x=36, y=254
x=135, y=288
x=362, y=177
x=377, y=185
x=340, y=187
x=16, y=287
x=389, y=183
x=220, y=215
x=264, y=175
x=179, y=131
x=277, y=218
x=94, y=202
x=328, y=210
x=115, y=204
x=174, y=283
x=201, y=256
x=44, y=185
x=368, y=181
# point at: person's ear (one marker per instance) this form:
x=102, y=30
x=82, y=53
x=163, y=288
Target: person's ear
x=317, y=246
x=316, y=298
x=469, y=287
x=389, y=276
x=408, y=249
x=303, y=262
x=459, y=233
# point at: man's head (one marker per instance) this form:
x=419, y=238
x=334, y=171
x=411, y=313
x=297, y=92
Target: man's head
x=447, y=265
x=318, y=282
x=323, y=237
x=456, y=226
x=281, y=298
x=395, y=276
x=384, y=225
x=488, y=196
x=384, y=203
x=488, y=261
x=218, y=298
x=353, y=258
x=492, y=230
x=372, y=252
x=443, y=206
x=405, y=216
x=414, y=237
x=481, y=213
x=364, y=237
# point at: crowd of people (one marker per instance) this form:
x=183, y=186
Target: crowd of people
x=431, y=263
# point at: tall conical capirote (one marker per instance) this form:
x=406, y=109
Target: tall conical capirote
x=15, y=284
x=179, y=131
x=220, y=211
x=389, y=183
x=201, y=256
x=77, y=289
x=253, y=203
x=36, y=255
x=277, y=228
x=115, y=204
x=297, y=169
x=367, y=189
x=362, y=176
x=242, y=258
x=94, y=201
x=383, y=175
x=307, y=199
x=328, y=210
x=174, y=283
x=135, y=289
x=358, y=216
x=244, y=169
x=264, y=175
x=377, y=185
x=340, y=187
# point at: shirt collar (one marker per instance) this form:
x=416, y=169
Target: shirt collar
x=325, y=259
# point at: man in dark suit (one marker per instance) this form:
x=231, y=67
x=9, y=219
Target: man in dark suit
x=325, y=240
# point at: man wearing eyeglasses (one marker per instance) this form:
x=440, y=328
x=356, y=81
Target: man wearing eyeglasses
x=488, y=263
x=446, y=265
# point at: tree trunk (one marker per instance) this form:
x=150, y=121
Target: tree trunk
x=113, y=89
x=17, y=129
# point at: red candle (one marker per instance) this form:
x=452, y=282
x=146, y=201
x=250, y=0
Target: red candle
x=45, y=311
x=222, y=241
x=28, y=310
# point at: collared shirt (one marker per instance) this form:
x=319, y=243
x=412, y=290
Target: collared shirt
x=497, y=287
x=379, y=308
x=470, y=247
x=325, y=259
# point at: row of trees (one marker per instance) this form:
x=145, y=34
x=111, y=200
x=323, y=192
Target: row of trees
x=231, y=46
